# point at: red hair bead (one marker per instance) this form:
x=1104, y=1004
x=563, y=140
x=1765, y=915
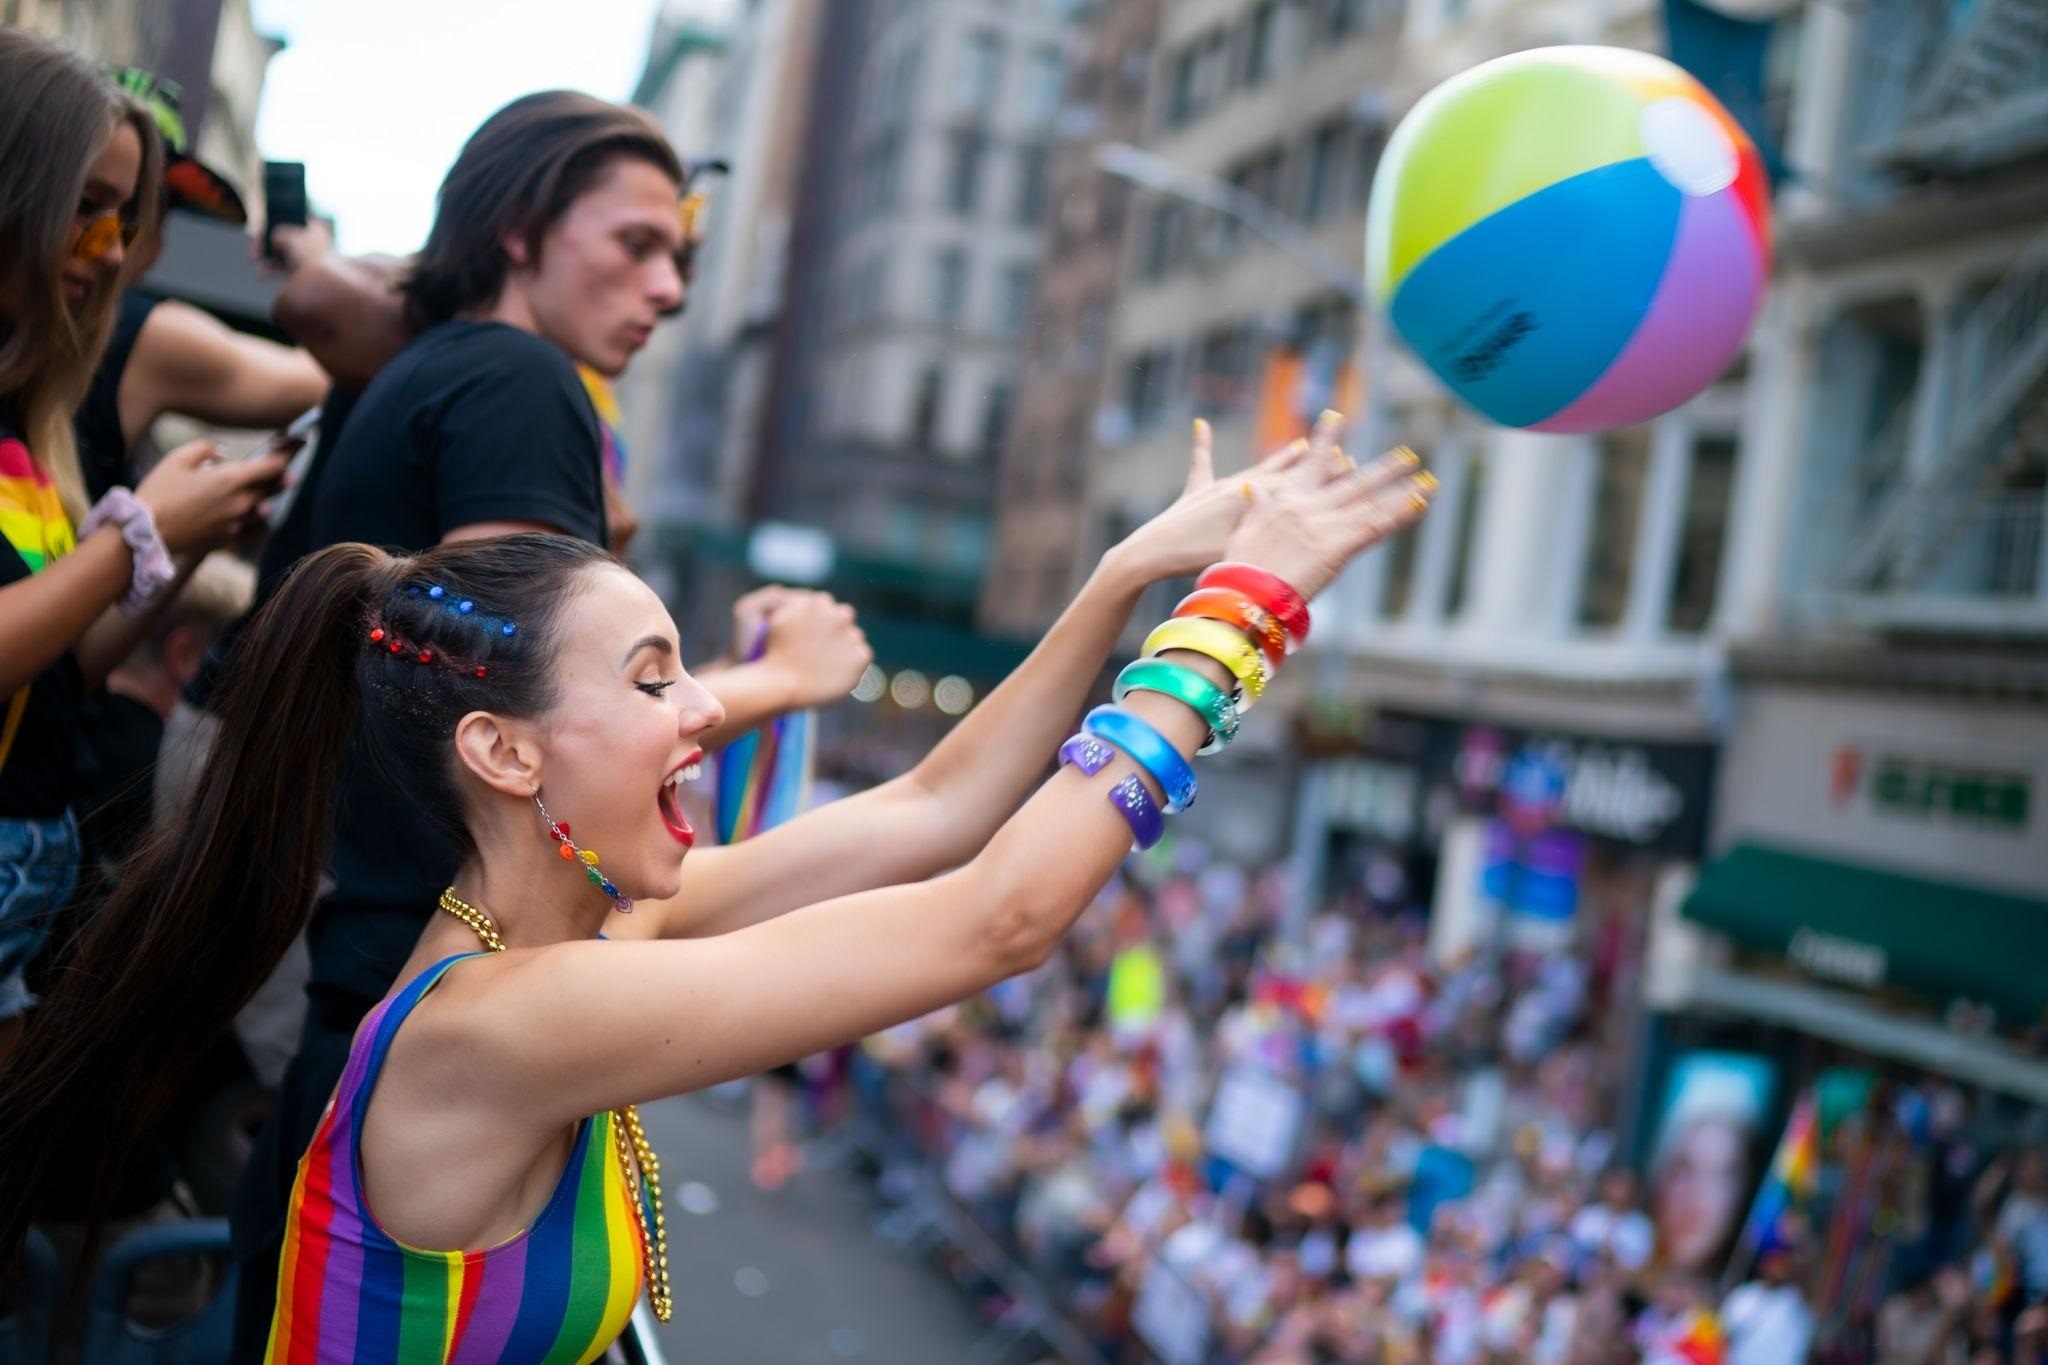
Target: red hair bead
x=480, y=672
x=426, y=656
x=377, y=635
x=395, y=646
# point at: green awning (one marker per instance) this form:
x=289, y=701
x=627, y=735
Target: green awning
x=1872, y=928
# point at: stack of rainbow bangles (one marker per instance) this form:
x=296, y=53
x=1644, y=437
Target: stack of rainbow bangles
x=1242, y=617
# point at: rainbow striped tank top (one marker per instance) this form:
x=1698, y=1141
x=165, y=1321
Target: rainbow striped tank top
x=350, y=1294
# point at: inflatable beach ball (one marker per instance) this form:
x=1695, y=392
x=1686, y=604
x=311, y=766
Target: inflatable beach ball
x=1573, y=238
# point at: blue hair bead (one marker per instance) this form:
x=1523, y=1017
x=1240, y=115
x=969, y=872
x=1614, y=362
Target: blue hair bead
x=465, y=606
x=507, y=628
x=437, y=592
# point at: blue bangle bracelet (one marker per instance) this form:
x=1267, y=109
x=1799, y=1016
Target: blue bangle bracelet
x=1091, y=755
x=1136, y=737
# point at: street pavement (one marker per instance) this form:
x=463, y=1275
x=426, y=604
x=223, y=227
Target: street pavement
x=790, y=1278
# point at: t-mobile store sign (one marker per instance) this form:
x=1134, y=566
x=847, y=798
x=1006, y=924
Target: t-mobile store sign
x=1650, y=795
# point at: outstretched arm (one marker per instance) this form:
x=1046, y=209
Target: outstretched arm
x=563, y=1031
x=940, y=813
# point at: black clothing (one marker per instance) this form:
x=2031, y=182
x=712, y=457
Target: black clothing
x=102, y=448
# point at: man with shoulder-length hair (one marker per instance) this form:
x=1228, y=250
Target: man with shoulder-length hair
x=556, y=244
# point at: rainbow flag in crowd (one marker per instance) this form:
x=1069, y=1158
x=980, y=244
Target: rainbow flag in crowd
x=1791, y=1181
x=764, y=776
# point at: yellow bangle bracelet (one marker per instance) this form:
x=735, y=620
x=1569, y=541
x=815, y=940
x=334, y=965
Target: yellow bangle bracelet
x=1225, y=644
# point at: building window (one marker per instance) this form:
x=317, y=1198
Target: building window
x=963, y=176
x=926, y=409
x=1162, y=236
x=1695, y=580
x=1319, y=174
x=1044, y=76
x=1624, y=458
x=949, y=286
x=995, y=420
x=1369, y=143
x=1145, y=388
x=1180, y=91
x=981, y=72
x=1345, y=17
x=1464, y=538
x=1016, y=300
x=1259, y=33
x=1033, y=160
x=1221, y=378
x=1112, y=206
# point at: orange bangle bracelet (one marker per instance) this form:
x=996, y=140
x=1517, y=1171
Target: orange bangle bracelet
x=1235, y=608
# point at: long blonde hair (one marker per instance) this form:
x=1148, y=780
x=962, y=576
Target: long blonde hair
x=57, y=110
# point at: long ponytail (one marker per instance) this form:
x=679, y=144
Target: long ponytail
x=211, y=902
x=205, y=909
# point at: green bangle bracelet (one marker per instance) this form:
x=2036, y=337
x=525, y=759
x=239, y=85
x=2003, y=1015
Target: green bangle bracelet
x=1191, y=689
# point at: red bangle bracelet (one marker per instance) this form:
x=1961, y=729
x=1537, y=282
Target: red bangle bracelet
x=1235, y=608
x=1265, y=589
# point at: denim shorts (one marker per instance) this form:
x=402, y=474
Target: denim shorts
x=38, y=870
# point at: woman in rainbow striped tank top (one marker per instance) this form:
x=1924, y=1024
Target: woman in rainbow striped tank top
x=480, y=1189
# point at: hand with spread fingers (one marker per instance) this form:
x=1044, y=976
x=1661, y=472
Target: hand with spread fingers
x=1198, y=528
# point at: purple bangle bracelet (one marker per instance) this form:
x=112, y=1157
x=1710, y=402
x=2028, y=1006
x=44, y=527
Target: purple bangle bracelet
x=1091, y=755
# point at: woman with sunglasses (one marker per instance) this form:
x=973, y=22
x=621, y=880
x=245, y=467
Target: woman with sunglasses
x=78, y=582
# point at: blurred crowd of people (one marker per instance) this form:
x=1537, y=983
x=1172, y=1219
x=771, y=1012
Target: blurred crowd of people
x=1453, y=1190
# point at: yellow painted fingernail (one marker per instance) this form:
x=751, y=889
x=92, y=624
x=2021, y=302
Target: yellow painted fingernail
x=1329, y=416
x=1406, y=456
x=1201, y=427
x=1345, y=461
x=1417, y=503
x=1246, y=489
x=1426, y=480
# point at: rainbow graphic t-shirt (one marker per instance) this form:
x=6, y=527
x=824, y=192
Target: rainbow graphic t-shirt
x=31, y=518
x=38, y=721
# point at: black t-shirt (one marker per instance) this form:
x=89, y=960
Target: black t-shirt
x=102, y=448
x=38, y=723
x=471, y=422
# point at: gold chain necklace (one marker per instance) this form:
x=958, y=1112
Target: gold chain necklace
x=636, y=1157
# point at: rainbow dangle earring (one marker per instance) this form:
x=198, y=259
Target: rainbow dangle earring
x=558, y=830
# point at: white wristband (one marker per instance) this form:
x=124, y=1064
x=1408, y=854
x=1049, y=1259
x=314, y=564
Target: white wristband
x=153, y=568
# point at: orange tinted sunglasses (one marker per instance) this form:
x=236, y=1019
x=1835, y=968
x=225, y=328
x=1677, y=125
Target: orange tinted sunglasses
x=100, y=234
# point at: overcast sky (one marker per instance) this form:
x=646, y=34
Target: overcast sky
x=377, y=96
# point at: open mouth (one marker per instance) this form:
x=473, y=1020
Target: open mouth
x=671, y=806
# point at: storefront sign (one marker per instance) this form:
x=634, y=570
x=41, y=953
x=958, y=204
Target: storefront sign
x=1947, y=790
x=1907, y=786
x=1651, y=795
x=1836, y=959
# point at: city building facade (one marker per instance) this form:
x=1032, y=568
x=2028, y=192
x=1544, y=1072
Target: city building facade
x=1041, y=533
x=1881, y=847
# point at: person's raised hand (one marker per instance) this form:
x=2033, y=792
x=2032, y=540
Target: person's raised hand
x=295, y=245
x=1309, y=527
x=814, y=641
x=1193, y=532
x=750, y=617
x=201, y=501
